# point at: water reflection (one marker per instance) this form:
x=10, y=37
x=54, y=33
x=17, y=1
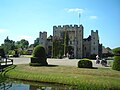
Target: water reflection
x=5, y=86
x=21, y=85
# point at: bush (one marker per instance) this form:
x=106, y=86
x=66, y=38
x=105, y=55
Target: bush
x=39, y=56
x=35, y=64
x=116, y=63
x=116, y=51
x=2, y=53
x=85, y=63
x=39, y=51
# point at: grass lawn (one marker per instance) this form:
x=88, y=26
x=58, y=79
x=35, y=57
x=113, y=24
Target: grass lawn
x=90, y=79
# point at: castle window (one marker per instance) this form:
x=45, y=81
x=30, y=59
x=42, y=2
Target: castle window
x=94, y=42
x=93, y=48
x=85, y=48
x=62, y=34
x=77, y=42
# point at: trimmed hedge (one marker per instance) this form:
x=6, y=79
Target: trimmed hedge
x=35, y=64
x=116, y=63
x=39, y=51
x=85, y=63
x=2, y=53
x=39, y=56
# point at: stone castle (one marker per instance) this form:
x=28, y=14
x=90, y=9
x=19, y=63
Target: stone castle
x=77, y=45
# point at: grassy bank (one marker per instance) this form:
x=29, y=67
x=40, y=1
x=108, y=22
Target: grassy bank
x=90, y=79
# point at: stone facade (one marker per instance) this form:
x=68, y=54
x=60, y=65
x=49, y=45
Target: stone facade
x=94, y=42
x=75, y=35
x=91, y=45
x=81, y=47
x=87, y=47
x=43, y=39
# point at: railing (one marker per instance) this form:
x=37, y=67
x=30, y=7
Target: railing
x=5, y=62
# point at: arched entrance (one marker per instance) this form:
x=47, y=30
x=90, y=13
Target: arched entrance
x=70, y=52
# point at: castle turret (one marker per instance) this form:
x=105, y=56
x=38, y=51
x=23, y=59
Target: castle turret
x=43, y=38
x=94, y=42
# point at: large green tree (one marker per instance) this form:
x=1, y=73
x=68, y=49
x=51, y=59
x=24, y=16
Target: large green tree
x=23, y=44
x=58, y=47
x=36, y=42
x=116, y=62
x=116, y=50
x=8, y=45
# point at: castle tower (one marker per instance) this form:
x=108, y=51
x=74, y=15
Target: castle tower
x=43, y=39
x=75, y=35
x=94, y=42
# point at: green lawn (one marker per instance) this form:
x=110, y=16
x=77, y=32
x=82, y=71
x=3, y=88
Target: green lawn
x=90, y=79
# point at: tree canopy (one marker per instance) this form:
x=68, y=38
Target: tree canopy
x=23, y=44
x=10, y=45
x=116, y=51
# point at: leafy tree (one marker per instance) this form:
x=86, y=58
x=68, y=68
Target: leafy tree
x=23, y=44
x=108, y=48
x=116, y=51
x=60, y=45
x=66, y=39
x=58, y=49
x=8, y=45
x=116, y=62
x=36, y=42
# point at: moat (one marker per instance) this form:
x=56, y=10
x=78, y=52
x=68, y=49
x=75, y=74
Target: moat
x=11, y=84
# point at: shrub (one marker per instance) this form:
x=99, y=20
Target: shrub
x=85, y=63
x=39, y=56
x=2, y=53
x=39, y=51
x=116, y=51
x=116, y=63
x=34, y=64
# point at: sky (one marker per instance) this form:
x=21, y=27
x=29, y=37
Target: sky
x=24, y=19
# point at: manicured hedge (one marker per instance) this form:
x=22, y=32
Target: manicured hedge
x=116, y=63
x=2, y=53
x=85, y=63
x=39, y=56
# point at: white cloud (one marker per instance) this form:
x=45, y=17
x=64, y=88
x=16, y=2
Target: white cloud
x=75, y=10
x=93, y=17
x=3, y=30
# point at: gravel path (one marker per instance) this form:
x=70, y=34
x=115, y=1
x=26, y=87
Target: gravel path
x=66, y=61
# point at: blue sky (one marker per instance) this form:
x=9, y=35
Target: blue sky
x=24, y=19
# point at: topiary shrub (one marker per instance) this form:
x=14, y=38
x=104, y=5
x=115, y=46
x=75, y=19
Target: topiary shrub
x=85, y=63
x=2, y=53
x=39, y=56
x=116, y=63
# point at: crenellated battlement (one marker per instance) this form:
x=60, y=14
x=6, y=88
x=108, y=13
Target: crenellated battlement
x=94, y=31
x=67, y=26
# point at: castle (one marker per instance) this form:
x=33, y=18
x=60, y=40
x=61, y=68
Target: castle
x=69, y=40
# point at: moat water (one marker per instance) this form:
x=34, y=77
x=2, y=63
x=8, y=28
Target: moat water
x=25, y=85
